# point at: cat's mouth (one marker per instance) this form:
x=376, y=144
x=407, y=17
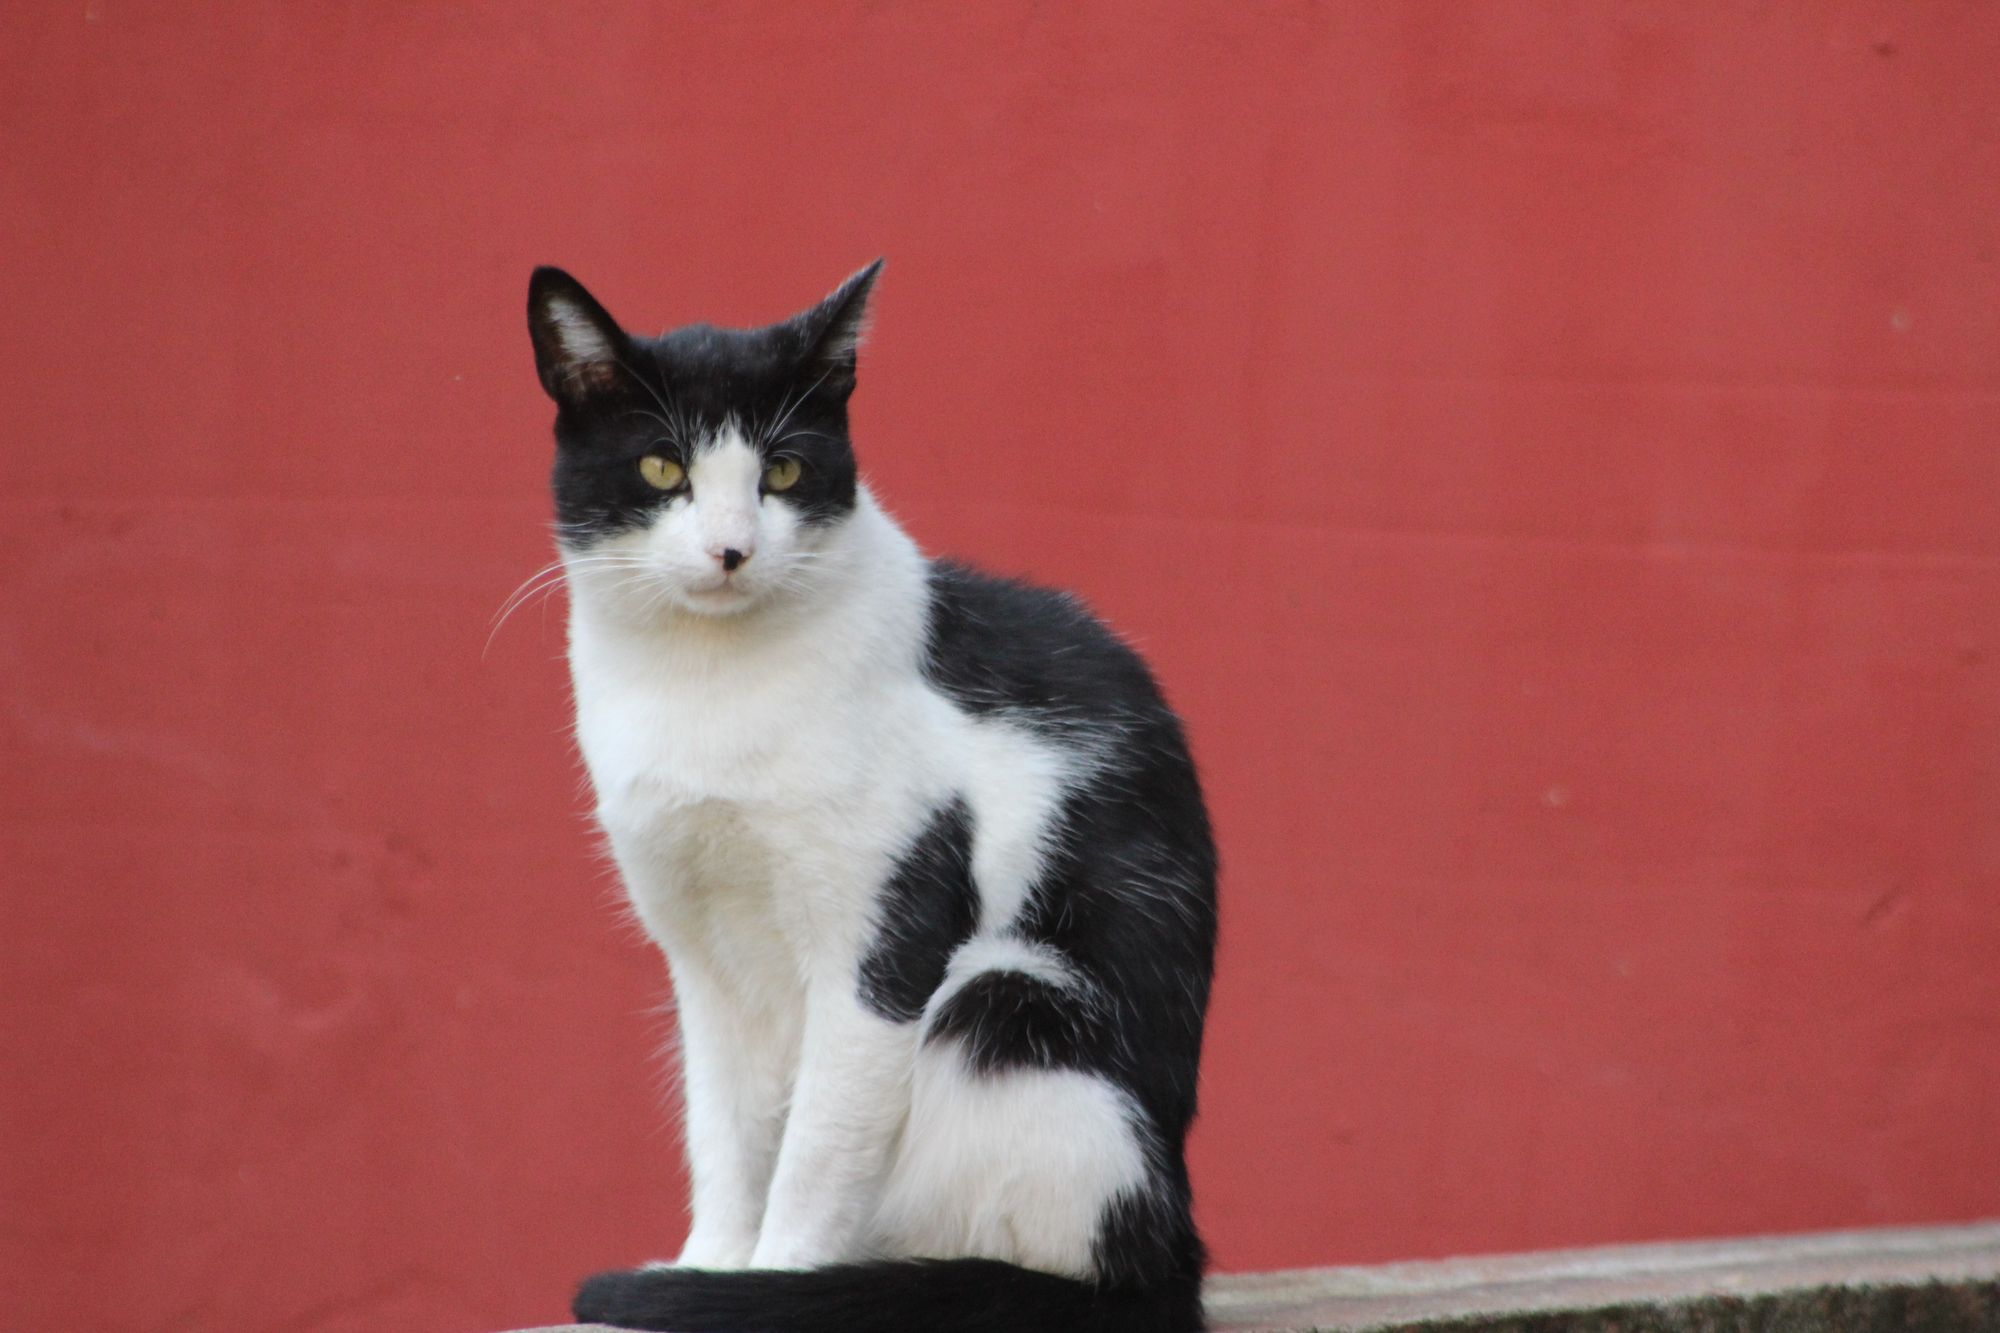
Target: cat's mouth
x=720, y=583
x=724, y=594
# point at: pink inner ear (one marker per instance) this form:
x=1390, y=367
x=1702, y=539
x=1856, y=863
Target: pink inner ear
x=592, y=376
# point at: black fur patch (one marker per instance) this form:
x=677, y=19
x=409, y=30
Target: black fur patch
x=997, y=645
x=1126, y=898
x=1005, y=1020
x=910, y=1296
x=1149, y=1241
x=929, y=907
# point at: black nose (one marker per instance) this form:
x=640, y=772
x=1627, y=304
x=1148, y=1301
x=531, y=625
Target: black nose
x=731, y=558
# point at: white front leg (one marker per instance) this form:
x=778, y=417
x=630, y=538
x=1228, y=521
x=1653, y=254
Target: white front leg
x=734, y=1077
x=848, y=1105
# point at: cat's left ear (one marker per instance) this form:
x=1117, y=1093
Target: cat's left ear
x=580, y=352
x=831, y=331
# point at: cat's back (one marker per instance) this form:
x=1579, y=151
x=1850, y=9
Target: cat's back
x=1127, y=889
x=1032, y=654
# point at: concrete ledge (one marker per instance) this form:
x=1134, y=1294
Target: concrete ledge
x=1912, y=1280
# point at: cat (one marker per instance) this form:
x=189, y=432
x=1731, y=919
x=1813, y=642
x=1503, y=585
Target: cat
x=925, y=850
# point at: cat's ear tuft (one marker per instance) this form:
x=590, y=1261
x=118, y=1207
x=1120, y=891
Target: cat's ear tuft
x=580, y=352
x=834, y=328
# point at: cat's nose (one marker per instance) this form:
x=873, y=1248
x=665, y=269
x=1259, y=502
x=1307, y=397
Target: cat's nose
x=731, y=545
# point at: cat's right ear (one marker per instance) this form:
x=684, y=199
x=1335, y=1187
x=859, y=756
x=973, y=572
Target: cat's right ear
x=580, y=352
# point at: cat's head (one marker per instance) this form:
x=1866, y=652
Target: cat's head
x=705, y=470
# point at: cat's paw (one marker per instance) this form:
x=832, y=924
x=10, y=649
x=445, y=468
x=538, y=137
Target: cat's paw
x=711, y=1251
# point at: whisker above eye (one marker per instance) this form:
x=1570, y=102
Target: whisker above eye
x=796, y=404
x=647, y=385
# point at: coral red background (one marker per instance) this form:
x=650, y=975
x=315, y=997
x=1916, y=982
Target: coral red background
x=1550, y=452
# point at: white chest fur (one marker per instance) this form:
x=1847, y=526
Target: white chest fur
x=719, y=780
x=760, y=778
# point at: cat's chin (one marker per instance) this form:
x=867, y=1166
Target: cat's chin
x=666, y=606
x=727, y=600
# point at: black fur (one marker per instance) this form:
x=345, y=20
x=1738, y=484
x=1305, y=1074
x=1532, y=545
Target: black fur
x=1127, y=898
x=1008, y=1020
x=998, y=645
x=910, y=1296
x=785, y=386
x=1149, y=1242
x=929, y=908
x=1128, y=895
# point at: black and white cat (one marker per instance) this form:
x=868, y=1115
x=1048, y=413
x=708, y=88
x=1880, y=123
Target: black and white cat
x=924, y=849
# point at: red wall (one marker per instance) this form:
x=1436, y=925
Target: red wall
x=1550, y=452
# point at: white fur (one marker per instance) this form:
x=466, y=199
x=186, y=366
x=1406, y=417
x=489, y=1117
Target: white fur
x=582, y=338
x=1003, y=953
x=763, y=746
x=1015, y=1166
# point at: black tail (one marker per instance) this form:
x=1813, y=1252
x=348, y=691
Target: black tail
x=901, y=1296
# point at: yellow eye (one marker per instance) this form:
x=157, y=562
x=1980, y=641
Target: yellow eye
x=782, y=475
x=662, y=474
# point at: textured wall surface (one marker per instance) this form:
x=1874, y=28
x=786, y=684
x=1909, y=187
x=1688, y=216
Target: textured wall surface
x=1550, y=452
